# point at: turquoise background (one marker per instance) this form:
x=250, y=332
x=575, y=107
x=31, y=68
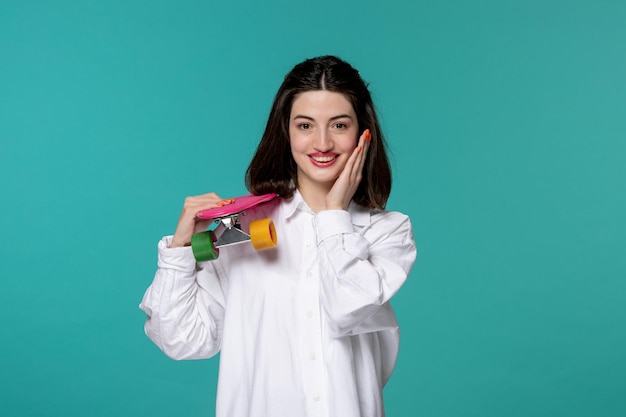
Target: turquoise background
x=506, y=120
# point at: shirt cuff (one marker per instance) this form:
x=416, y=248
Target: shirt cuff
x=332, y=222
x=180, y=259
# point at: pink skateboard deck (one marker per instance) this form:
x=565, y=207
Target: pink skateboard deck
x=235, y=205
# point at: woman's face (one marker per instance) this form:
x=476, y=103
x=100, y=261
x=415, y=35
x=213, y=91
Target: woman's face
x=323, y=133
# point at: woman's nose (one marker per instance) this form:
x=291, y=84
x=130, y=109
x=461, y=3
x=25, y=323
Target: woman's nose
x=323, y=141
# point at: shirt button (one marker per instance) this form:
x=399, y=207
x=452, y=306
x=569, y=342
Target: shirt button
x=309, y=314
x=307, y=243
x=309, y=274
x=313, y=356
x=316, y=397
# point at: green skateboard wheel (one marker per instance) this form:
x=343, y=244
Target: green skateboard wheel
x=203, y=246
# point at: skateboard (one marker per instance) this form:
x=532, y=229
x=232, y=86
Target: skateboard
x=205, y=245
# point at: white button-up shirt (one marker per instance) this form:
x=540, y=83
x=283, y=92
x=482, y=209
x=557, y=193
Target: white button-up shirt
x=304, y=329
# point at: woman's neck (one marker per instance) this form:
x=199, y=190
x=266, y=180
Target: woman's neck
x=314, y=194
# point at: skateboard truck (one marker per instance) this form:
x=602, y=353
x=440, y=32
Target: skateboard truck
x=233, y=234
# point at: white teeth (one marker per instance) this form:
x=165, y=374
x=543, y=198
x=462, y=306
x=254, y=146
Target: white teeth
x=323, y=158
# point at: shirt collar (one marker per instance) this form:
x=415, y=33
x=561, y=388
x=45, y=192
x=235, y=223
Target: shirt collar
x=360, y=215
x=293, y=204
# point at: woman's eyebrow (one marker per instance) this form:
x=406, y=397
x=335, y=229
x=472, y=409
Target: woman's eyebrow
x=340, y=116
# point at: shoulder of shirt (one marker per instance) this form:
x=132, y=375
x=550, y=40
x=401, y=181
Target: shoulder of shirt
x=364, y=216
x=388, y=213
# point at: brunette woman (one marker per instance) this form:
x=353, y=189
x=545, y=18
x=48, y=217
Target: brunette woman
x=306, y=328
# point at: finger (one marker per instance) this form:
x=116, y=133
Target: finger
x=202, y=199
x=202, y=225
x=357, y=168
x=195, y=204
x=348, y=169
x=366, y=147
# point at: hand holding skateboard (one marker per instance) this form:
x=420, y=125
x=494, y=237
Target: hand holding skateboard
x=188, y=223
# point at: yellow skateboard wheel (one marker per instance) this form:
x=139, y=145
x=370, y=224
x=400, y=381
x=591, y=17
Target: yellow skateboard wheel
x=263, y=234
x=203, y=246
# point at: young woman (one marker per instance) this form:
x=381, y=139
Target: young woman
x=305, y=328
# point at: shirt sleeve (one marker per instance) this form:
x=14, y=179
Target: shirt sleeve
x=362, y=269
x=185, y=304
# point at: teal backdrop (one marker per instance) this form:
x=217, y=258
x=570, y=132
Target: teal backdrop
x=506, y=121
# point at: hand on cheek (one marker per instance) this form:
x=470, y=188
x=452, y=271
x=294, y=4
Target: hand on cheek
x=343, y=190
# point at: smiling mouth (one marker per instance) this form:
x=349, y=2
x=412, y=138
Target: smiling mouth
x=323, y=159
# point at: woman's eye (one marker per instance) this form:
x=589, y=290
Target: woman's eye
x=304, y=126
x=340, y=125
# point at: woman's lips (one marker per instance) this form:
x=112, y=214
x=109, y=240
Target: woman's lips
x=320, y=159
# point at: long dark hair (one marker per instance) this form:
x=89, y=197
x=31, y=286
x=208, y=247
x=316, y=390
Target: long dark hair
x=273, y=169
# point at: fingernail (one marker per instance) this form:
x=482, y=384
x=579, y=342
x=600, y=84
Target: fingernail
x=225, y=202
x=359, y=149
